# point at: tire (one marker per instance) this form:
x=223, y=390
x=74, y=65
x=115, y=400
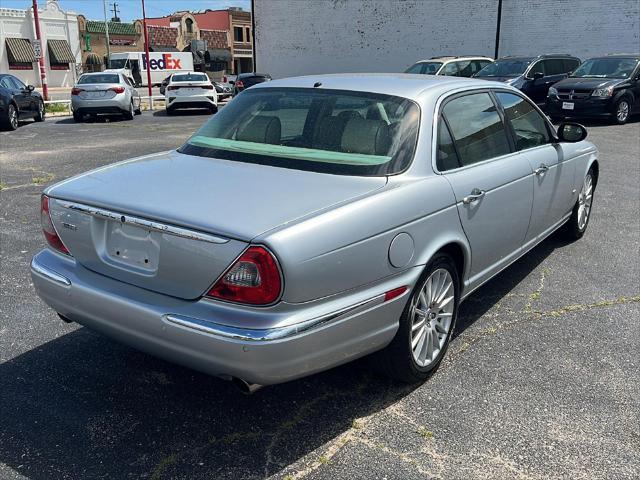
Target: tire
x=170, y=111
x=128, y=115
x=398, y=360
x=213, y=110
x=41, y=112
x=621, y=111
x=578, y=223
x=77, y=117
x=10, y=122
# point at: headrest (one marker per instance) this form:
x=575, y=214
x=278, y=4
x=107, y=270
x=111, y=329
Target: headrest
x=262, y=129
x=370, y=137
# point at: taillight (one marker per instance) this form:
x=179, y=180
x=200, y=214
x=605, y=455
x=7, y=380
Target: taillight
x=76, y=91
x=253, y=279
x=172, y=87
x=117, y=89
x=207, y=87
x=239, y=84
x=224, y=79
x=48, y=229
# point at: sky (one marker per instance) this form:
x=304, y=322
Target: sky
x=132, y=9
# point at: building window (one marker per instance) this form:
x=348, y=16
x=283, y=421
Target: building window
x=20, y=54
x=247, y=34
x=189, y=25
x=238, y=34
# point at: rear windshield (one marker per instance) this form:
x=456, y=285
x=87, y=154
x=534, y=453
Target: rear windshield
x=328, y=131
x=606, y=68
x=504, y=68
x=189, y=77
x=426, y=68
x=99, y=78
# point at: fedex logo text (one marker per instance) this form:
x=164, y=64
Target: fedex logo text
x=164, y=63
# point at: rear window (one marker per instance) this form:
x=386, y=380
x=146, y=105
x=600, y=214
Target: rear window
x=99, y=78
x=328, y=131
x=189, y=77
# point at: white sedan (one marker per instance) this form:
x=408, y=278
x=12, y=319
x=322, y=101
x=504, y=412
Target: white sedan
x=190, y=90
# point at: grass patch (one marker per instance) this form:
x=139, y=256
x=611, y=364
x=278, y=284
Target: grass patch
x=424, y=433
x=2, y=186
x=56, y=107
x=323, y=460
x=42, y=179
x=356, y=424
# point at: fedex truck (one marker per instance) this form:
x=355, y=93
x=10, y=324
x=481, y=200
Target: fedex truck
x=162, y=64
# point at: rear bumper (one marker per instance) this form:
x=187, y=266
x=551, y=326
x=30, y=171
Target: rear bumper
x=192, y=101
x=298, y=340
x=118, y=104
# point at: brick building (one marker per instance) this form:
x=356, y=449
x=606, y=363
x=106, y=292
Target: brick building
x=123, y=37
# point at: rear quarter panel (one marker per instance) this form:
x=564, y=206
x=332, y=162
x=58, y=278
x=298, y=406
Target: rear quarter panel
x=348, y=247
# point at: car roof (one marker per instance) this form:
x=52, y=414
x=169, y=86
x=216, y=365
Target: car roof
x=404, y=85
x=446, y=58
x=618, y=55
x=535, y=57
x=253, y=74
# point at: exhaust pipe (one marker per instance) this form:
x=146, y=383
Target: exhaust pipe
x=246, y=387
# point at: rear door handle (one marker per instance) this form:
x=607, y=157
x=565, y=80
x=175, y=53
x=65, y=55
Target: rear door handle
x=542, y=169
x=475, y=194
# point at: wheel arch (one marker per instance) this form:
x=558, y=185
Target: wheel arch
x=457, y=248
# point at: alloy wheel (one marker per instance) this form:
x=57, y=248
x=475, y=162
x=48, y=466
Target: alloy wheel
x=13, y=116
x=622, y=113
x=432, y=314
x=584, y=201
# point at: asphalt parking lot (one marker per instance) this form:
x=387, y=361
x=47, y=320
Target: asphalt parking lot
x=542, y=379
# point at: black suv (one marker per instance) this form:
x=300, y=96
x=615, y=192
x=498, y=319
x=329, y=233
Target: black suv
x=532, y=75
x=18, y=102
x=606, y=86
x=246, y=80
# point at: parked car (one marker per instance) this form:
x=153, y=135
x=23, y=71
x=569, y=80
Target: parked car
x=532, y=75
x=163, y=85
x=451, y=66
x=18, y=102
x=224, y=91
x=299, y=234
x=104, y=93
x=246, y=80
x=606, y=86
x=190, y=90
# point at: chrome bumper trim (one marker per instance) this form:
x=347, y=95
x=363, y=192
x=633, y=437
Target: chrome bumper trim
x=270, y=334
x=50, y=274
x=141, y=222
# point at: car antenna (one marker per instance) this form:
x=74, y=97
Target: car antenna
x=317, y=84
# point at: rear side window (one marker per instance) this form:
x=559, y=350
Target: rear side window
x=476, y=127
x=529, y=127
x=450, y=69
x=465, y=68
x=447, y=158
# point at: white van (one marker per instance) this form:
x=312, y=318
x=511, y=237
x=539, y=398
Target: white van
x=162, y=64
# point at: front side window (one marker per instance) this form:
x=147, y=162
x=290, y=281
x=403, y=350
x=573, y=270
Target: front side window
x=450, y=69
x=425, y=68
x=538, y=67
x=555, y=66
x=612, y=67
x=118, y=63
x=529, y=126
x=327, y=131
x=476, y=127
x=504, y=68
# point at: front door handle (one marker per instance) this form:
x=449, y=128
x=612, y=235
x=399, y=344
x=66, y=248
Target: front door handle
x=475, y=194
x=542, y=169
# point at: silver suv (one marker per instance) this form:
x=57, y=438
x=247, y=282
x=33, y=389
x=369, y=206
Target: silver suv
x=451, y=66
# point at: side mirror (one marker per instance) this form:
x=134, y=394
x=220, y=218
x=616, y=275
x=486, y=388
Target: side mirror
x=31, y=88
x=571, y=132
x=538, y=75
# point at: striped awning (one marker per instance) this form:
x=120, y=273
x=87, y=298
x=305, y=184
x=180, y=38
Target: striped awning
x=20, y=50
x=60, y=51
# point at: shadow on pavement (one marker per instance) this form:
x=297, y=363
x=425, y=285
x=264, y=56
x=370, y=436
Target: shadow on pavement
x=82, y=406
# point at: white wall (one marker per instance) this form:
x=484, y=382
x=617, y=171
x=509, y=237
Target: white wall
x=296, y=37
x=584, y=28
x=54, y=24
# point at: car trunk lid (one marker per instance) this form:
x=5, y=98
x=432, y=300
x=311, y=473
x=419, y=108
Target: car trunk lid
x=173, y=223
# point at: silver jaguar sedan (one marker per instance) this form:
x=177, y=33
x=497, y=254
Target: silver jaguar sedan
x=315, y=220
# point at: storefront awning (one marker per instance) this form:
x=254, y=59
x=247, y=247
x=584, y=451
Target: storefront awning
x=217, y=55
x=93, y=59
x=60, y=51
x=20, y=50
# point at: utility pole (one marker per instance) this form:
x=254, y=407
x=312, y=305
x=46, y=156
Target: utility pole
x=114, y=8
x=43, y=72
x=106, y=31
x=146, y=50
